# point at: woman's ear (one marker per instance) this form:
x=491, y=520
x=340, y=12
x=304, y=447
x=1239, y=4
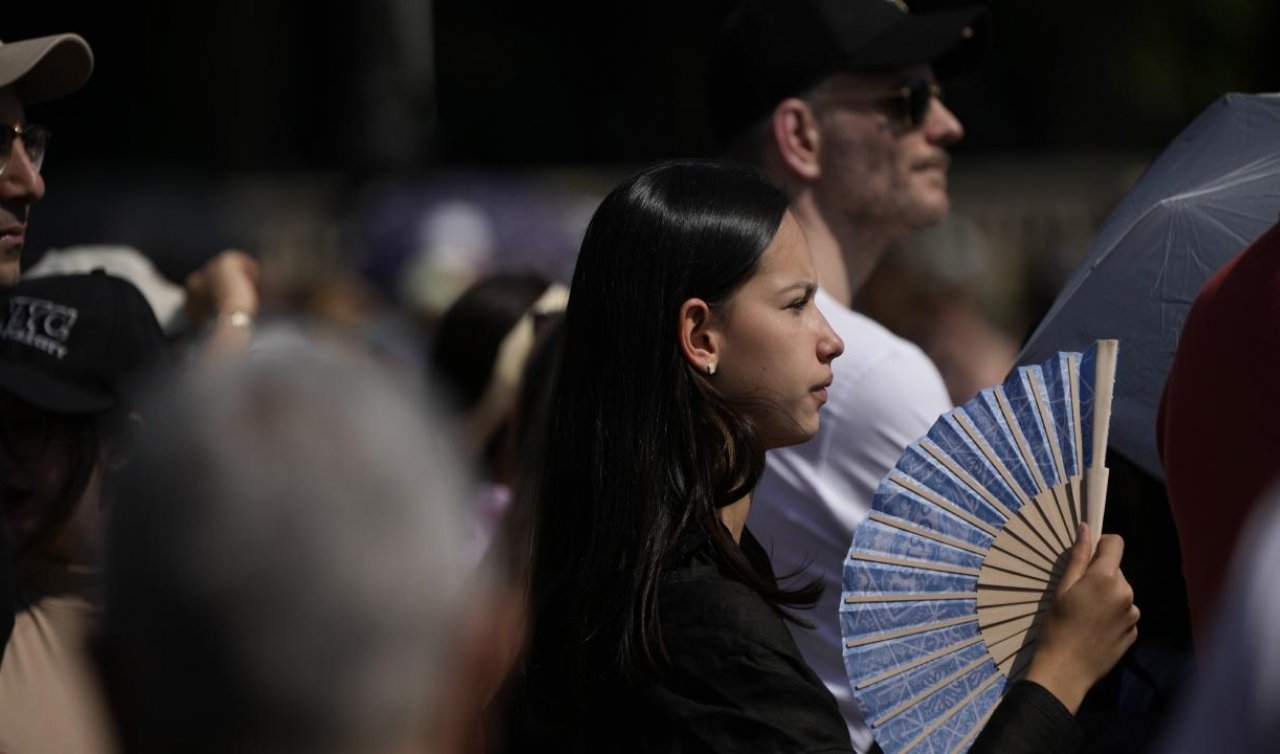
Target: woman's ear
x=700, y=335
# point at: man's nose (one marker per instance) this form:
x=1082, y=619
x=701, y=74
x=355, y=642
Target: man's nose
x=941, y=126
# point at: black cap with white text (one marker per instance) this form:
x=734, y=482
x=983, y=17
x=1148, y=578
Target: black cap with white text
x=74, y=344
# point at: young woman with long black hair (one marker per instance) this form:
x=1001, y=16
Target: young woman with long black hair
x=692, y=345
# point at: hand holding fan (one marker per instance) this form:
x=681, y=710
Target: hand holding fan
x=948, y=577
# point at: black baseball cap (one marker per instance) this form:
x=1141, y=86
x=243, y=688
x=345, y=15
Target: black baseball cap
x=769, y=50
x=75, y=344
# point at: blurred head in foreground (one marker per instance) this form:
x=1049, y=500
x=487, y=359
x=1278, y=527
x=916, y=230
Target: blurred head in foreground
x=1231, y=705
x=284, y=570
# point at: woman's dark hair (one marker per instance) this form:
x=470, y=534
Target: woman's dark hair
x=643, y=451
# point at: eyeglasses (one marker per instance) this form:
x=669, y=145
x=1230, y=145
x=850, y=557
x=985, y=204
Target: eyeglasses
x=35, y=139
x=911, y=101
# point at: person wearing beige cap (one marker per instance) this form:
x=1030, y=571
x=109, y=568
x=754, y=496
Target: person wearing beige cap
x=45, y=68
x=31, y=71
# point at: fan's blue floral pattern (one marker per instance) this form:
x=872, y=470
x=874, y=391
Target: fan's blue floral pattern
x=920, y=670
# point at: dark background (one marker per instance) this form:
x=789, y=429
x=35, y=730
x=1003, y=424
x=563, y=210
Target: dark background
x=296, y=128
x=384, y=85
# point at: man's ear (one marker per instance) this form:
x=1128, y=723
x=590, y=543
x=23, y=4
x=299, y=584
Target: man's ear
x=796, y=137
x=700, y=335
x=129, y=429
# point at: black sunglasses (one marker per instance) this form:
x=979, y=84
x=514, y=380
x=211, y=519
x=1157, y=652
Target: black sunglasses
x=911, y=100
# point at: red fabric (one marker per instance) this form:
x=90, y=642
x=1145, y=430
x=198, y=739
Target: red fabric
x=1218, y=428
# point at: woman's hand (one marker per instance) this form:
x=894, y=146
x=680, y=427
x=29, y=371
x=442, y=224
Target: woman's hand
x=1092, y=622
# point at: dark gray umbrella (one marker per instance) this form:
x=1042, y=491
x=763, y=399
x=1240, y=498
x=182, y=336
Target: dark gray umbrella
x=1210, y=194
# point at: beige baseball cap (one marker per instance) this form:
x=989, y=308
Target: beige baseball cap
x=45, y=68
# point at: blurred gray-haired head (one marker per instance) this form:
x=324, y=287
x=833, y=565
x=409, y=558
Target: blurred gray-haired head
x=285, y=570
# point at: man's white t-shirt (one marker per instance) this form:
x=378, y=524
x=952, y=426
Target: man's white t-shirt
x=886, y=394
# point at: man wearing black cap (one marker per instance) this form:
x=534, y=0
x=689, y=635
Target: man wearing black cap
x=839, y=101
x=70, y=349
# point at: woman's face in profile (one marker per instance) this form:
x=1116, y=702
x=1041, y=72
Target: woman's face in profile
x=776, y=348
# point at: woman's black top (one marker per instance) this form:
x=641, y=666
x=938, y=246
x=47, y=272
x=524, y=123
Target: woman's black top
x=735, y=682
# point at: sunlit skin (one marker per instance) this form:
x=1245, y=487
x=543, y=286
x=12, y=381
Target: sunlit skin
x=776, y=348
x=20, y=187
x=875, y=169
x=771, y=347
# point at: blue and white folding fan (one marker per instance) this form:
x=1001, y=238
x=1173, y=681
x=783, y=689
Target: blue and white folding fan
x=960, y=556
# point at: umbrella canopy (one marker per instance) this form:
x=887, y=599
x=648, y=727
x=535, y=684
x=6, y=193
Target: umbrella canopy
x=1211, y=193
